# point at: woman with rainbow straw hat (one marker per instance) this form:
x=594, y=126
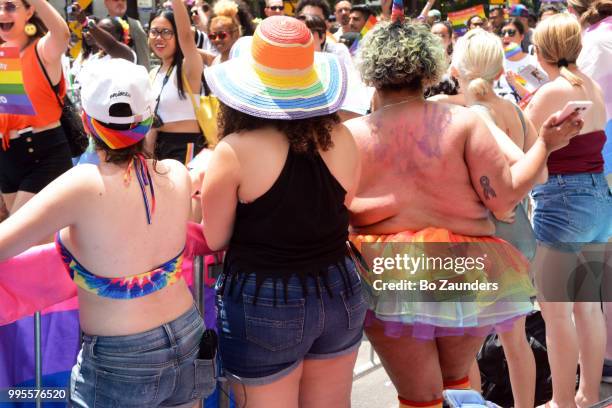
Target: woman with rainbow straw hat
x=431, y=175
x=512, y=86
x=121, y=228
x=276, y=193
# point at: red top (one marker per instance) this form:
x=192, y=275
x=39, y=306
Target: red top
x=582, y=155
x=40, y=93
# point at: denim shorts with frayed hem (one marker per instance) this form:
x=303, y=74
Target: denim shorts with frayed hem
x=572, y=210
x=157, y=368
x=263, y=336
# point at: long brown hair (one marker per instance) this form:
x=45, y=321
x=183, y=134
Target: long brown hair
x=304, y=135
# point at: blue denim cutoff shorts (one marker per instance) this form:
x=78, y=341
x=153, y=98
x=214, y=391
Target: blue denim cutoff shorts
x=157, y=368
x=263, y=341
x=571, y=210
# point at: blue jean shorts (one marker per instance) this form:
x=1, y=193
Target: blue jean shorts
x=263, y=338
x=572, y=210
x=157, y=368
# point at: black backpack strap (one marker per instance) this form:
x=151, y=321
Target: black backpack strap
x=42, y=66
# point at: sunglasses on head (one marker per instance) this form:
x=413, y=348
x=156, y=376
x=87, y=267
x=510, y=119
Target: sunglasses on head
x=9, y=7
x=222, y=35
x=510, y=33
x=276, y=8
x=166, y=33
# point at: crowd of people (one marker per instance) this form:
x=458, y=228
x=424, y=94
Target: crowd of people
x=332, y=143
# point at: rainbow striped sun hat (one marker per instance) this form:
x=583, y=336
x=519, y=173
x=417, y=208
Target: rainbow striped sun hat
x=282, y=77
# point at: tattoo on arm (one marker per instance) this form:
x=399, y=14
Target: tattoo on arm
x=486, y=188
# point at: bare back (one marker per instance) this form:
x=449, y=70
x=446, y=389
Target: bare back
x=554, y=95
x=414, y=174
x=111, y=238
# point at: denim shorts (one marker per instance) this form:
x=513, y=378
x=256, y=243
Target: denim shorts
x=572, y=210
x=157, y=368
x=263, y=341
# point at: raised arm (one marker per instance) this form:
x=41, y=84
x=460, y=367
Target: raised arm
x=192, y=63
x=109, y=44
x=53, y=45
x=426, y=9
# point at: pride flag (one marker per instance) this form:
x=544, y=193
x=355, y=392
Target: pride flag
x=397, y=10
x=13, y=97
x=459, y=18
x=368, y=25
x=37, y=278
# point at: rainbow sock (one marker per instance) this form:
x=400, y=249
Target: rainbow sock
x=460, y=384
x=404, y=403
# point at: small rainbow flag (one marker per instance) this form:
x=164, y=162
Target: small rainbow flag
x=511, y=50
x=368, y=25
x=397, y=10
x=13, y=97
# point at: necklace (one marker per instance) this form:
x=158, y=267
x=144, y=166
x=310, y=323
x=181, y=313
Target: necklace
x=401, y=102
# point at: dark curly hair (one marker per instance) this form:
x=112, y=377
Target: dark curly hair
x=304, y=135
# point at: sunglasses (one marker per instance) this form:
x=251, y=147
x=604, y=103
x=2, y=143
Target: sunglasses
x=276, y=8
x=166, y=33
x=510, y=33
x=477, y=24
x=221, y=35
x=9, y=7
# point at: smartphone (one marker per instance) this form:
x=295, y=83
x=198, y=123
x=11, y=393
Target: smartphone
x=574, y=106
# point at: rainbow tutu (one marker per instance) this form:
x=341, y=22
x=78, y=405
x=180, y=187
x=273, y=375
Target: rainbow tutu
x=494, y=291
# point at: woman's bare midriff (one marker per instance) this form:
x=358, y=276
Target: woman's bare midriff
x=414, y=174
x=117, y=317
x=182, y=126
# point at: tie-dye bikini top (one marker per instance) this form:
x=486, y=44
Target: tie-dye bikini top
x=126, y=287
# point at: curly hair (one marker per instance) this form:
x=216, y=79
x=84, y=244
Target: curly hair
x=304, y=135
x=399, y=54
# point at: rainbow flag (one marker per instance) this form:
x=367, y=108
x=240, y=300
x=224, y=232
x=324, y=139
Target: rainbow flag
x=511, y=50
x=459, y=18
x=368, y=25
x=38, y=277
x=397, y=10
x=13, y=97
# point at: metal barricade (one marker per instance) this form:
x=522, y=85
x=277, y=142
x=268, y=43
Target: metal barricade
x=38, y=356
x=223, y=400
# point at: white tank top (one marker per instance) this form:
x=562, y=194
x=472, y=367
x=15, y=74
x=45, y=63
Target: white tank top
x=172, y=108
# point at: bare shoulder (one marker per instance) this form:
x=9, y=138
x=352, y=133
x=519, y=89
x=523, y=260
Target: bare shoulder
x=358, y=127
x=86, y=178
x=173, y=170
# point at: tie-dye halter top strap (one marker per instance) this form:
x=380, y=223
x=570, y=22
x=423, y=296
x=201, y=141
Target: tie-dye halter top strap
x=126, y=287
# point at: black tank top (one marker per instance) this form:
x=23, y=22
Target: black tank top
x=299, y=226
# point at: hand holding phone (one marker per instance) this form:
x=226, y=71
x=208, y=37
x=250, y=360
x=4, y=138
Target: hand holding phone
x=573, y=106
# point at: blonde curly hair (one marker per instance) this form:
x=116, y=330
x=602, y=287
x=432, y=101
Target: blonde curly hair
x=226, y=10
x=398, y=54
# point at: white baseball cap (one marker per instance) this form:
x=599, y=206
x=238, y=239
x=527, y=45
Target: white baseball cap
x=105, y=83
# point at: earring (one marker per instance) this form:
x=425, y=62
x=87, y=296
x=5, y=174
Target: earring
x=30, y=29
